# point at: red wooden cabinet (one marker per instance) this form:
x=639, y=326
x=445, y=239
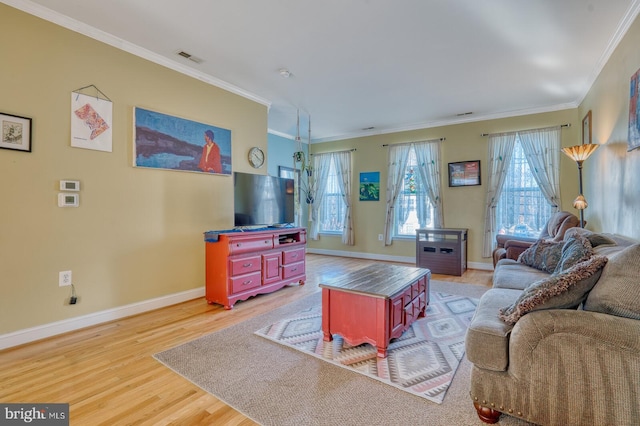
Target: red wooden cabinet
x=244, y=264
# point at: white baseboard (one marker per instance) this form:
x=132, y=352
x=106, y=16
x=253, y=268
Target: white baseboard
x=32, y=334
x=387, y=258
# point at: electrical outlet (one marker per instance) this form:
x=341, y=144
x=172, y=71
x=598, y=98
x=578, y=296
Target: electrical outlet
x=64, y=278
x=380, y=237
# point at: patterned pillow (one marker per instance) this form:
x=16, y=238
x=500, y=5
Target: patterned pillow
x=618, y=290
x=559, y=291
x=575, y=249
x=543, y=255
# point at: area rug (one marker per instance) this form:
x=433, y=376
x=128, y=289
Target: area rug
x=422, y=361
x=277, y=385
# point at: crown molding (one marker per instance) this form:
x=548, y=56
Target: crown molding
x=102, y=36
x=441, y=123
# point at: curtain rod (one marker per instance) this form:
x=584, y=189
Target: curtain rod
x=409, y=143
x=335, y=152
x=562, y=125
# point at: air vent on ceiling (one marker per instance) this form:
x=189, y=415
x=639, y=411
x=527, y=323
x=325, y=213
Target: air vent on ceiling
x=189, y=56
x=463, y=114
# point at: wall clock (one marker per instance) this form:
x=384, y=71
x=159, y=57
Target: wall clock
x=256, y=157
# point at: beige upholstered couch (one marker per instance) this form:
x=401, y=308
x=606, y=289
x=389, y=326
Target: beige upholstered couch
x=561, y=366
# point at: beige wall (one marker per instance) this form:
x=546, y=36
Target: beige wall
x=463, y=206
x=612, y=174
x=137, y=234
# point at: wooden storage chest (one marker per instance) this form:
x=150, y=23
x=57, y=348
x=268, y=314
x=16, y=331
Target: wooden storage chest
x=443, y=251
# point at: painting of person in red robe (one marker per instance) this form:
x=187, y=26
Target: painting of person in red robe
x=210, y=160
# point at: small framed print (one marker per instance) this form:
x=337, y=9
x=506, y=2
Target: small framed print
x=464, y=173
x=15, y=132
x=586, y=129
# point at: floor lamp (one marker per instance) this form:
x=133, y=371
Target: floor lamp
x=579, y=153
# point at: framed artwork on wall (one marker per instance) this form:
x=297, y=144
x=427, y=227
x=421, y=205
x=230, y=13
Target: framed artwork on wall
x=15, y=132
x=634, y=113
x=586, y=129
x=464, y=173
x=370, y=186
x=166, y=142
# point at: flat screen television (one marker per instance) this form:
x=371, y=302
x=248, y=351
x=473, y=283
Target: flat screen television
x=261, y=200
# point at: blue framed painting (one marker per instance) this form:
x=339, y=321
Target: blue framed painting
x=163, y=141
x=370, y=186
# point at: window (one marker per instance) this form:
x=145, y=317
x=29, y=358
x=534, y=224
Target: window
x=522, y=208
x=332, y=210
x=411, y=196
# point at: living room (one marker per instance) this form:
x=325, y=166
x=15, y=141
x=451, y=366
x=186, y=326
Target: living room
x=135, y=243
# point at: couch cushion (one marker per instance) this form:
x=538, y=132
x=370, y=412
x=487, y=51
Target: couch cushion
x=487, y=341
x=543, y=255
x=511, y=274
x=618, y=290
x=576, y=249
x=559, y=291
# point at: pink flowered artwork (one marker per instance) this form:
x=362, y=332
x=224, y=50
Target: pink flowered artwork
x=92, y=119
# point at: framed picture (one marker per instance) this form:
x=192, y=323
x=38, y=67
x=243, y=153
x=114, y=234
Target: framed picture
x=370, y=186
x=15, y=132
x=633, y=141
x=166, y=142
x=464, y=173
x=586, y=129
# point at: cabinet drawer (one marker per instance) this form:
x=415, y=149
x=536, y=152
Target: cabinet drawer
x=245, y=282
x=293, y=256
x=249, y=244
x=244, y=265
x=292, y=270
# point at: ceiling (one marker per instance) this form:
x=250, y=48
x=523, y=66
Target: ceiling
x=389, y=65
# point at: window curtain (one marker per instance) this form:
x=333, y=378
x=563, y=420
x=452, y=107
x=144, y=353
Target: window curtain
x=397, y=163
x=320, y=178
x=342, y=162
x=542, y=149
x=428, y=159
x=500, y=154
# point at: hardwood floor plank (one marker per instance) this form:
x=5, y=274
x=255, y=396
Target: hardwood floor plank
x=107, y=372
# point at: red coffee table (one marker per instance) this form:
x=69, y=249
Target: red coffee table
x=374, y=304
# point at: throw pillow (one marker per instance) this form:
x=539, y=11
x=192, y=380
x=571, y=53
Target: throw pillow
x=559, y=291
x=594, y=238
x=543, y=255
x=618, y=290
x=576, y=249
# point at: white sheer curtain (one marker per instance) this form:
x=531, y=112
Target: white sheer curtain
x=428, y=159
x=542, y=149
x=397, y=163
x=321, y=164
x=500, y=153
x=342, y=162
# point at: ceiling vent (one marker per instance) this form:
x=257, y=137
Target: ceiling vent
x=189, y=56
x=463, y=114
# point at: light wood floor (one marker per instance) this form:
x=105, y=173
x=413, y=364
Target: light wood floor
x=107, y=373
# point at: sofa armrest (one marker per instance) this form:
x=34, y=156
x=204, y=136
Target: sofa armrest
x=578, y=359
x=514, y=248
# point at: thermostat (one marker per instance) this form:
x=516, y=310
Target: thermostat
x=69, y=185
x=68, y=200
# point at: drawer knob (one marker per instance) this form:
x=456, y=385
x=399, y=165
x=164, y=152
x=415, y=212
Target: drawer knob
x=246, y=265
x=247, y=282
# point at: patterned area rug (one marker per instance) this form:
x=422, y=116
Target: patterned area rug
x=422, y=361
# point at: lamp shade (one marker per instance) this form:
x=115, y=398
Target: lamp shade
x=580, y=203
x=579, y=153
